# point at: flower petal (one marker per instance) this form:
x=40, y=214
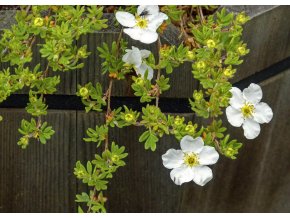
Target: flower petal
x=126, y=19
x=263, y=113
x=150, y=9
x=189, y=144
x=142, y=70
x=237, y=99
x=251, y=128
x=156, y=21
x=145, y=53
x=133, y=56
x=181, y=175
x=202, y=175
x=134, y=33
x=208, y=155
x=234, y=116
x=253, y=93
x=173, y=158
x=148, y=36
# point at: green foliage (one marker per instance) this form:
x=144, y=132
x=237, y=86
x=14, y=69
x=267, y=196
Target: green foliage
x=57, y=27
x=97, y=135
x=92, y=97
x=113, y=58
x=230, y=148
x=143, y=89
x=96, y=174
x=35, y=130
x=172, y=12
x=218, y=49
x=171, y=57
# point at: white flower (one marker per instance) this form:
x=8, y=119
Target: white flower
x=135, y=57
x=144, y=24
x=246, y=110
x=190, y=162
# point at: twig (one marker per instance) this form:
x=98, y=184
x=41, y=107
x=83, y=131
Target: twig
x=200, y=14
x=158, y=72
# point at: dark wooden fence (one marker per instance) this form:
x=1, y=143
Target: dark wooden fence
x=40, y=178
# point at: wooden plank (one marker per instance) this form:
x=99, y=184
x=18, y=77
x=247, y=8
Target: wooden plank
x=40, y=178
x=267, y=35
x=258, y=181
x=143, y=185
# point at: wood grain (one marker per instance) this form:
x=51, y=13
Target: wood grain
x=40, y=178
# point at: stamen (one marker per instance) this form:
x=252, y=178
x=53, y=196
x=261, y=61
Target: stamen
x=191, y=159
x=141, y=22
x=247, y=110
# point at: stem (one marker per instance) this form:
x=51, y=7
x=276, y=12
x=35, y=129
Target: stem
x=92, y=198
x=200, y=14
x=158, y=72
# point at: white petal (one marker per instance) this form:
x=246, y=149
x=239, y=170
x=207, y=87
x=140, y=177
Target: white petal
x=134, y=33
x=202, y=175
x=142, y=69
x=234, y=116
x=208, y=155
x=237, y=99
x=156, y=21
x=263, y=113
x=150, y=9
x=126, y=19
x=173, y=158
x=189, y=144
x=133, y=57
x=253, y=93
x=251, y=129
x=148, y=36
x=181, y=175
x=145, y=53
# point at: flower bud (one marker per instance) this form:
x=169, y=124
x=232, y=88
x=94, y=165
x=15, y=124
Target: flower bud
x=200, y=65
x=115, y=158
x=178, y=121
x=241, y=18
x=190, y=55
x=210, y=43
x=38, y=22
x=24, y=141
x=84, y=91
x=242, y=50
x=190, y=128
x=140, y=81
x=129, y=117
x=228, y=72
x=197, y=96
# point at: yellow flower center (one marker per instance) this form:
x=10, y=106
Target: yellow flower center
x=141, y=22
x=247, y=110
x=191, y=159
